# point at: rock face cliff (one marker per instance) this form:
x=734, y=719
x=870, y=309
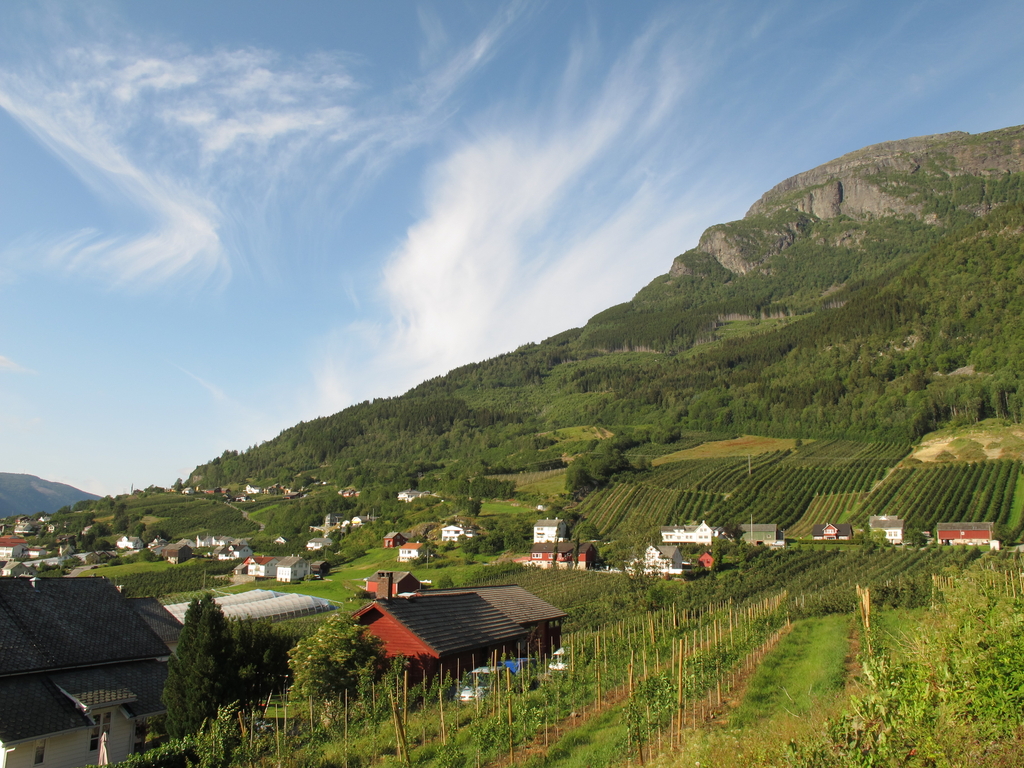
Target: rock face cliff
x=879, y=180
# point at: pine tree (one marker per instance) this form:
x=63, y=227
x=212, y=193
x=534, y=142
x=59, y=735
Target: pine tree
x=198, y=675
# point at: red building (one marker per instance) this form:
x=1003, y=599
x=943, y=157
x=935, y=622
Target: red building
x=401, y=581
x=451, y=631
x=394, y=540
x=977, y=534
x=832, y=531
x=707, y=560
x=550, y=554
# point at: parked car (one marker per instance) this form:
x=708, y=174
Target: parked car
x=478, y=683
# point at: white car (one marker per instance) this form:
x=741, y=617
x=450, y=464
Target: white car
x=473, y=692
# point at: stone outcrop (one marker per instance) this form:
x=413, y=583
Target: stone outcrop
x=957, y=153
x=845, y=186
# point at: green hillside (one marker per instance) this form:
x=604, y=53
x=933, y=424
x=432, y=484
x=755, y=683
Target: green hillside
x=873, y=299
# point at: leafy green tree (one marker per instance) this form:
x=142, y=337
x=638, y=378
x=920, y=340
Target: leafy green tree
x=332, y=659
x=258, y=662
x=197, y=674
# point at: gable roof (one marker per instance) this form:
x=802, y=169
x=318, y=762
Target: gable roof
x=667, y=550
x=159, y=619
x=49, y=624
x=520, y=606
x=759, y=528
x=67, y=645
x=966, y=526
x=842, y=529
x=548, y=523
x=884, y=522
x=450, y=622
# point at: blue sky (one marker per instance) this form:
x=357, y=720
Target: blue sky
x=219, y=219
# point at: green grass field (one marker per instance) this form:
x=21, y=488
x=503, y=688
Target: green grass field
x=807, y=665
x=745, y=445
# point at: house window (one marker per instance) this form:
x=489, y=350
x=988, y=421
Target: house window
x=40, y=752
x=102, y=726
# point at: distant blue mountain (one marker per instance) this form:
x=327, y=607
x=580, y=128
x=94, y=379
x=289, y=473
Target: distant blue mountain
x=28, y=494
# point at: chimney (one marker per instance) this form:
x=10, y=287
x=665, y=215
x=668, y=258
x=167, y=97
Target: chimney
x=385, y=579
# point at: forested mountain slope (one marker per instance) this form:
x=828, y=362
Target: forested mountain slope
x=875, y=298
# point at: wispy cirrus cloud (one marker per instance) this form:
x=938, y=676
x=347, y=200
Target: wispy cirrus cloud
x=536, y=221
x=197, y=146
x=8, y=365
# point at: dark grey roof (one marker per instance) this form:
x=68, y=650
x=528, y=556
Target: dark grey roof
x=451, y=622
x=562, y=547
x=49, y=624
x=966, y=526
x=759, y=528
x=31, y=706
x=520, y=606
x=159, y=619
x=37, y=705
x=842, y=529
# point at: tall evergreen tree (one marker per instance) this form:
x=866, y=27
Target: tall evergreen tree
x=198, y=675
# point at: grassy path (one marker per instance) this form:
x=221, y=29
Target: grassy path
x=792, y=694
x=808, y=664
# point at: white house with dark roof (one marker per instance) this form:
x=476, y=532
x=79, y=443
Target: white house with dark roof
x=661, y=560
x=549, y=531
x=80, y=671
x=133, y=543
x=892, y=526
x=320, y=542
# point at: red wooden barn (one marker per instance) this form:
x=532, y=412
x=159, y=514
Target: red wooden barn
x=707, y=560
x=451, y=631
x=964, y=533
x=394, y=540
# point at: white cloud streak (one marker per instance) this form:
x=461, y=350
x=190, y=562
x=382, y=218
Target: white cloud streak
x=198, y=145
x=8, y=365
x=532, y=225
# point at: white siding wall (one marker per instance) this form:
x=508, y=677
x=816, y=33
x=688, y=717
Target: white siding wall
x=72, y=749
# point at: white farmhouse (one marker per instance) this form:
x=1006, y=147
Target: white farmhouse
x=291, y=569
x=133, y=543
x=690, y=534
x=455, y=532
x=663, y=560
x=549, y=530
x=411, y=495
x=892, y=526
x=412, y=550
